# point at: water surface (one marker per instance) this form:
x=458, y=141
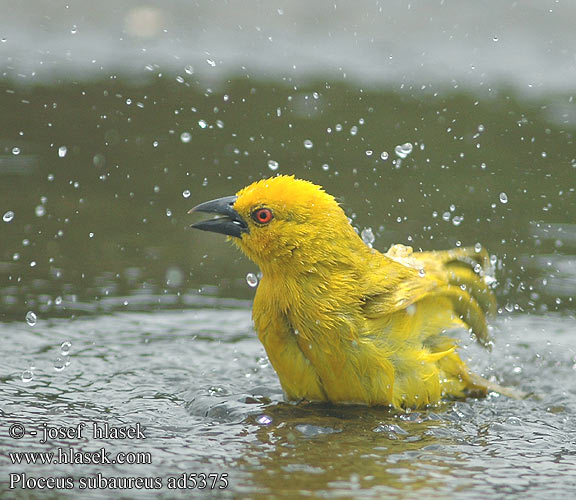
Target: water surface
x=199, y=382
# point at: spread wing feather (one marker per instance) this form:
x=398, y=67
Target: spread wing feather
x=413, y=299
x=456, y=275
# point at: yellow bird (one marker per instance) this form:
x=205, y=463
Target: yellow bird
x=342, y=322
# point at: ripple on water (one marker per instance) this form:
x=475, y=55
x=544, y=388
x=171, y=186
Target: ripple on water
x=196, y=381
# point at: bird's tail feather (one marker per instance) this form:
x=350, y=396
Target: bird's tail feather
x=485, y=385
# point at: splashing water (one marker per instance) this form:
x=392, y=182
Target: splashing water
x=273, y=165
x=65, y=348
x=403, y=150
x=59, y=364
x=31, y=318
x=252, y=280
x=367, y=236
x=264, y=420
x=457, y=220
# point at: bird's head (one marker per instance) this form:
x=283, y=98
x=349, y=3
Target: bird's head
x=281, y=221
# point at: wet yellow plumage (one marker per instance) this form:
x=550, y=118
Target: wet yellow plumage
x=344, y=323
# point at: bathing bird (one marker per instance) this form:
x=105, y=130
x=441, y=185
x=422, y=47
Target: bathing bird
x=343, y=323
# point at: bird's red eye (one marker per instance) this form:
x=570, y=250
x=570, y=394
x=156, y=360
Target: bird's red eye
x=262, y=215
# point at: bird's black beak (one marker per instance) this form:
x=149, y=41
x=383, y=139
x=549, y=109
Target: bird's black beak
x=230, y=223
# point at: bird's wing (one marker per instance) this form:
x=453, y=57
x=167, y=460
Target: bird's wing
x=455, y=278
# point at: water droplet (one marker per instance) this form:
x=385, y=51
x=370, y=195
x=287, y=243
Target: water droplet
x=59, y=364
x=325, y=167
x=168, y=212
x=99, y=160
x=62, y=150
x=354, y=130
x=391, y=430
x=202, y=124
x=503, y=198
x=457, y=220
x=308, y=144
x=273, y=165
x=369, y=152
x=205, y=182
x=367, y=236
x=403, y=150
x=264, y=419
x=27, y=376
x=189, y=69
x=40, y=211
x=481, y=128
x=252, y=280
x=8, y=216
x=421, y=273
x=58, y=300
x=15, y=151
x=477, y=247
x=211, y=62
x=490, y=280
x=186, y=193
x=90, y=235
x=74, y=29
x=174, y=276
x=494, y=38
x=185, y=137
x=384, y=155
x=446, y=216
x=31, y=318
x=65, y=348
